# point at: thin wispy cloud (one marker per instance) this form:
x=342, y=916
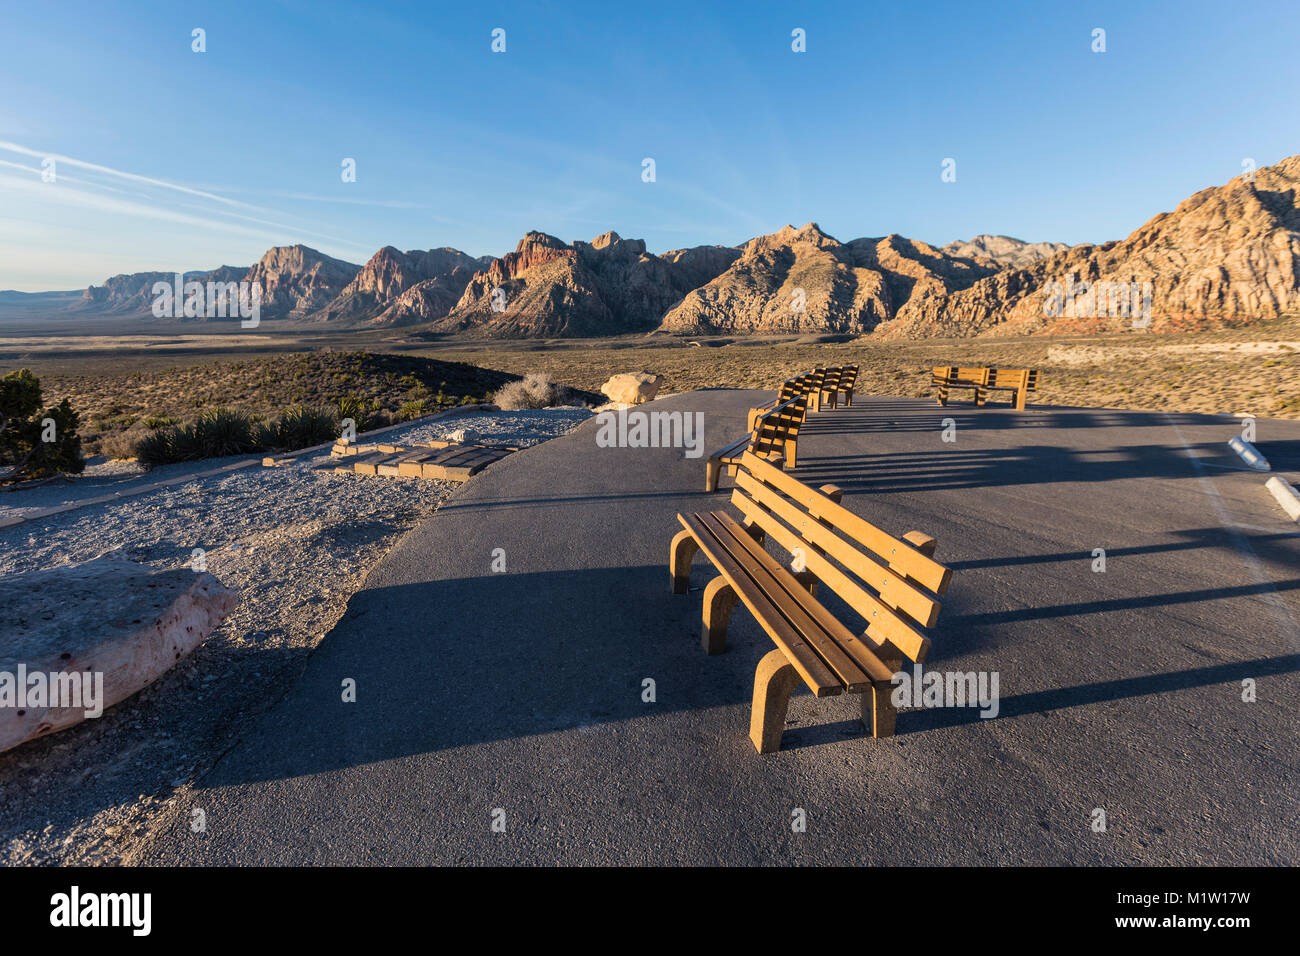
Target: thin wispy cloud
x=152, y=206
x=59, y=158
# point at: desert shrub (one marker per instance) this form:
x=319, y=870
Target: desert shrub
x=536, y=390
x=158, y=421
x=359, y=410
x=301, y=427
x=35, y=444
x=124, y=444
x=412, y=409
x=223, y=431
x=159, y=447
x=216, y=433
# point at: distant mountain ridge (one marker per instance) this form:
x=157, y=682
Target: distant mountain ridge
x=1003, y=250
x=802, y=280
x=547, y=288
x=1227, y=254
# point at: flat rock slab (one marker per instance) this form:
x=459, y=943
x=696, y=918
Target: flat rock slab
x=123, y=624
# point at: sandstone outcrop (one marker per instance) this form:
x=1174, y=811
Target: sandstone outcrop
x=804, y=281
x=1226, y=255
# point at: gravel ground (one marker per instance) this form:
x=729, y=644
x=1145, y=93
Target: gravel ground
x=296, y=542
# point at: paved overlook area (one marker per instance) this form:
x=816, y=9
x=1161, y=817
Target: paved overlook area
x=523, y=690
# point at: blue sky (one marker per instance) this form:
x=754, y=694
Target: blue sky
x=170, y=159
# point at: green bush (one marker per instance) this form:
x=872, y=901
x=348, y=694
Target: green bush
x=301, y=427
x=35, y=444
x=357, y=409
x=223, y=431
x=412, y=409
x=215, y=433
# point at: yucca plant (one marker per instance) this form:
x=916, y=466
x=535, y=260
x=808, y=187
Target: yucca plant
x=223, y=431
x=300, y=427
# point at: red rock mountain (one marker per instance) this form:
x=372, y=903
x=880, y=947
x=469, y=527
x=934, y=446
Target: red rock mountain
x=390, y=273
x=802, y=280
x=1227, y=255
x=548, y=288
x=297, y=281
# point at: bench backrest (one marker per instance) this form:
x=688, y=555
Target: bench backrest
x=848, y=376
x=950, y=373
x=892, y=585
x=793, y=387
x=1013, y=377
x=778, y=426
x=831, y=383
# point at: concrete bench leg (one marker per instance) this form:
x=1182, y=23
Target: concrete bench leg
x=719, y=600
x=713, y=469
x=943, y=395
x=680, y=554
x=773, y=684
x=981, y=396
x=878, y=710
x=1020, y=398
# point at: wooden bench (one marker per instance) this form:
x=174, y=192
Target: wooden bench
x=828, y=389
x=817, y=386
x=773, y=435
x=947, y=377
x=790, y=388
x=894, y=584
x=848, y=379
x=1019, y=381
x=837, y=381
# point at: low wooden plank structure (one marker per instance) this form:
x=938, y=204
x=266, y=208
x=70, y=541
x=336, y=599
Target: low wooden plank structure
x=894, y=584
x=773, y=435
x=1019, y=381
x=437, y=460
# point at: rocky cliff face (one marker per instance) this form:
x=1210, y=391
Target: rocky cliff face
x=297, y=281
x=132, y=294
x=1003, y=250
x=547, y=288
x=802, y=280
x=1226, y=255
x=390, y=273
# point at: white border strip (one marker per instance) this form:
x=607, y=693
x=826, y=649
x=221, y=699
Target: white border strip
x=1249, y=454
x=1286, y=495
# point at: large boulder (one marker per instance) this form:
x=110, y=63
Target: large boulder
x=632, y=388
x=109, y=626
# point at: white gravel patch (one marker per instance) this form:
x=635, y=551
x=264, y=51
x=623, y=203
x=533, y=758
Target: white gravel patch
x=296, y=541
x=520, y=429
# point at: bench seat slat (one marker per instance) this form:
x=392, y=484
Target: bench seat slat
x=885, y=622
x=811, y=668
x=852, y=660
x=778, y=586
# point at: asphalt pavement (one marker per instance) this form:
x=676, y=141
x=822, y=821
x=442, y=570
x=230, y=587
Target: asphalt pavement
x=502, y=716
